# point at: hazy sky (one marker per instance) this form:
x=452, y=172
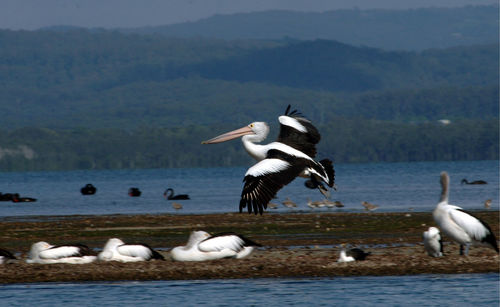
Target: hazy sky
x=33, y=14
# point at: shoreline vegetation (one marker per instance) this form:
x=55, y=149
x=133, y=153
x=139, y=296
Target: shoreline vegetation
x=294, y=245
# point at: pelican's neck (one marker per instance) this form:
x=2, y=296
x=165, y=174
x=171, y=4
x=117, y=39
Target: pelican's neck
x=445, y=183
x=257, y=151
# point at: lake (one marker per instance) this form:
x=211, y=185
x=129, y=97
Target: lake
x=420, y=290
x=395, y=187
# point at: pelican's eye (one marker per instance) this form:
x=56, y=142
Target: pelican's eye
x=251, y=125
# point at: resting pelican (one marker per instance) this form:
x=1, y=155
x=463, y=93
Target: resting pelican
x=43, y=252
x=202, y=246
x=116, y=250
x=432, y=242
x=461, y=226
x=279, y=162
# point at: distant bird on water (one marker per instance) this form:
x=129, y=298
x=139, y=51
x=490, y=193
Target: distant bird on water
x=176, y=206
x=432, y=242
x=134, y=192
x=169, y=194
x=272, y=206
x=88, y=189
x=280, y=162
x=473, y=182
x=369, y=206
x=459, y=225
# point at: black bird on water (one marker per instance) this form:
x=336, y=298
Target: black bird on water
x=169, y=194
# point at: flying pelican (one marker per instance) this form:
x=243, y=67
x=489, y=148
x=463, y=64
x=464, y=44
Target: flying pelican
x=116, y=250
x=473, y=182
x=202, y=246
x=432, y=242
x=169, y=194
x=461, y=226
x=279, y=162
x=351, y=255
x=43, y=252
x=5, y=256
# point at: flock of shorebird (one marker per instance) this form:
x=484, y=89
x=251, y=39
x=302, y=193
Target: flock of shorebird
x=278, y=163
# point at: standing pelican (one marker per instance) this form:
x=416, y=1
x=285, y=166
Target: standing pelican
x=461, y=226
x=279, y=162
x=432, y=242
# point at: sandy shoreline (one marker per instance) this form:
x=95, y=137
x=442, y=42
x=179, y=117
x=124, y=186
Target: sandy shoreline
x=294, y=245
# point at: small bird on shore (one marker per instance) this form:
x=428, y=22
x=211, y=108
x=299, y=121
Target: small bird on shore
x=202, y=246
x=432, y=242
x=289, y=203
x=176, y=206
x=6, y=256
x=315, y=204
x=487, y=204
x=461, y=226
x=116, y=250
x=44, y=253
x=369, y=206
x=351, y=255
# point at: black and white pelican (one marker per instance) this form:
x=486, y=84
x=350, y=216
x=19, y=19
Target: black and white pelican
x=202, y=246
x=459, y=225
x=116, y=250
x=43, y=252
x=280, y=162
x=432, y=242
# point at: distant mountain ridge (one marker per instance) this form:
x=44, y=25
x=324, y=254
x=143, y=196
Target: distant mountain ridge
x=414, y=29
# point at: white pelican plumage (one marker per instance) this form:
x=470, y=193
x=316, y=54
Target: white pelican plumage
x=202, y=246
x=43, y=252
x=432, y=242
x=461, y=226
x=280, y=162
x=116, y=250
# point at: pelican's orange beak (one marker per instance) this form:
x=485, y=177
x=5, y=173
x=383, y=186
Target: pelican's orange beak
x=230, y=135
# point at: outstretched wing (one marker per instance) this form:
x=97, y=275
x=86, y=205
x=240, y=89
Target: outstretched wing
x=298, y=132
x=265, y=179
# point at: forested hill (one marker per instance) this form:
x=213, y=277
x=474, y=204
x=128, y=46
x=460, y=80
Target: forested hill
x=79, y=99
x=111, y=80
x=414, y=29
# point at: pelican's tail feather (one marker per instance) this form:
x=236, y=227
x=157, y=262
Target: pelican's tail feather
x=330, y=172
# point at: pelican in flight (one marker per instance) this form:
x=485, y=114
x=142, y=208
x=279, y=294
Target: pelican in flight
x=279, y=162
x=461, y=226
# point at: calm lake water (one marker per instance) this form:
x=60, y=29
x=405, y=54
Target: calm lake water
x=394, y=187
x=421, y=290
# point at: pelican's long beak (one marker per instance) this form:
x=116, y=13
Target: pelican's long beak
x=230, y=135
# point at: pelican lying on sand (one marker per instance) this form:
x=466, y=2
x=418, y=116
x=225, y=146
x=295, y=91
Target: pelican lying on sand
x=43, y=252
x=116, y=250
x=202, y=246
